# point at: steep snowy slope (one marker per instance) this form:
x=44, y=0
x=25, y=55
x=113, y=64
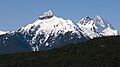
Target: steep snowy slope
x=51, y=31
x=96, y=27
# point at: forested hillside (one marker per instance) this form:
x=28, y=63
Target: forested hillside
x=98, y=52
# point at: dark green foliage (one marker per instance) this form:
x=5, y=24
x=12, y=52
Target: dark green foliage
x=98, y=52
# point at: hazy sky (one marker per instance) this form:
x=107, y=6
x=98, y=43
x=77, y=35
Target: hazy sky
x=17, y=13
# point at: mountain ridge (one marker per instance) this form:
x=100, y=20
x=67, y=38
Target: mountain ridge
x=50, y=31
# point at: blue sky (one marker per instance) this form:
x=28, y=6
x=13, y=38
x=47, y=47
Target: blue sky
x=17, y=13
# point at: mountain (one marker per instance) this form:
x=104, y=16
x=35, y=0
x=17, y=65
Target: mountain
x=2, y=32
x=49, y=31
x=96, y=27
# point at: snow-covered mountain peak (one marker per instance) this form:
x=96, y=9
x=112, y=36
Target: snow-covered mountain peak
x=48, y=31
x=96, y=27
x=46, y=15
x=98, y=21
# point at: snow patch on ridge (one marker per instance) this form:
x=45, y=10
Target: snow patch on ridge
x=2, y=32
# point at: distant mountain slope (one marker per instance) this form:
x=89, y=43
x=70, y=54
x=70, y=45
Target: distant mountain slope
x=98, y=52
